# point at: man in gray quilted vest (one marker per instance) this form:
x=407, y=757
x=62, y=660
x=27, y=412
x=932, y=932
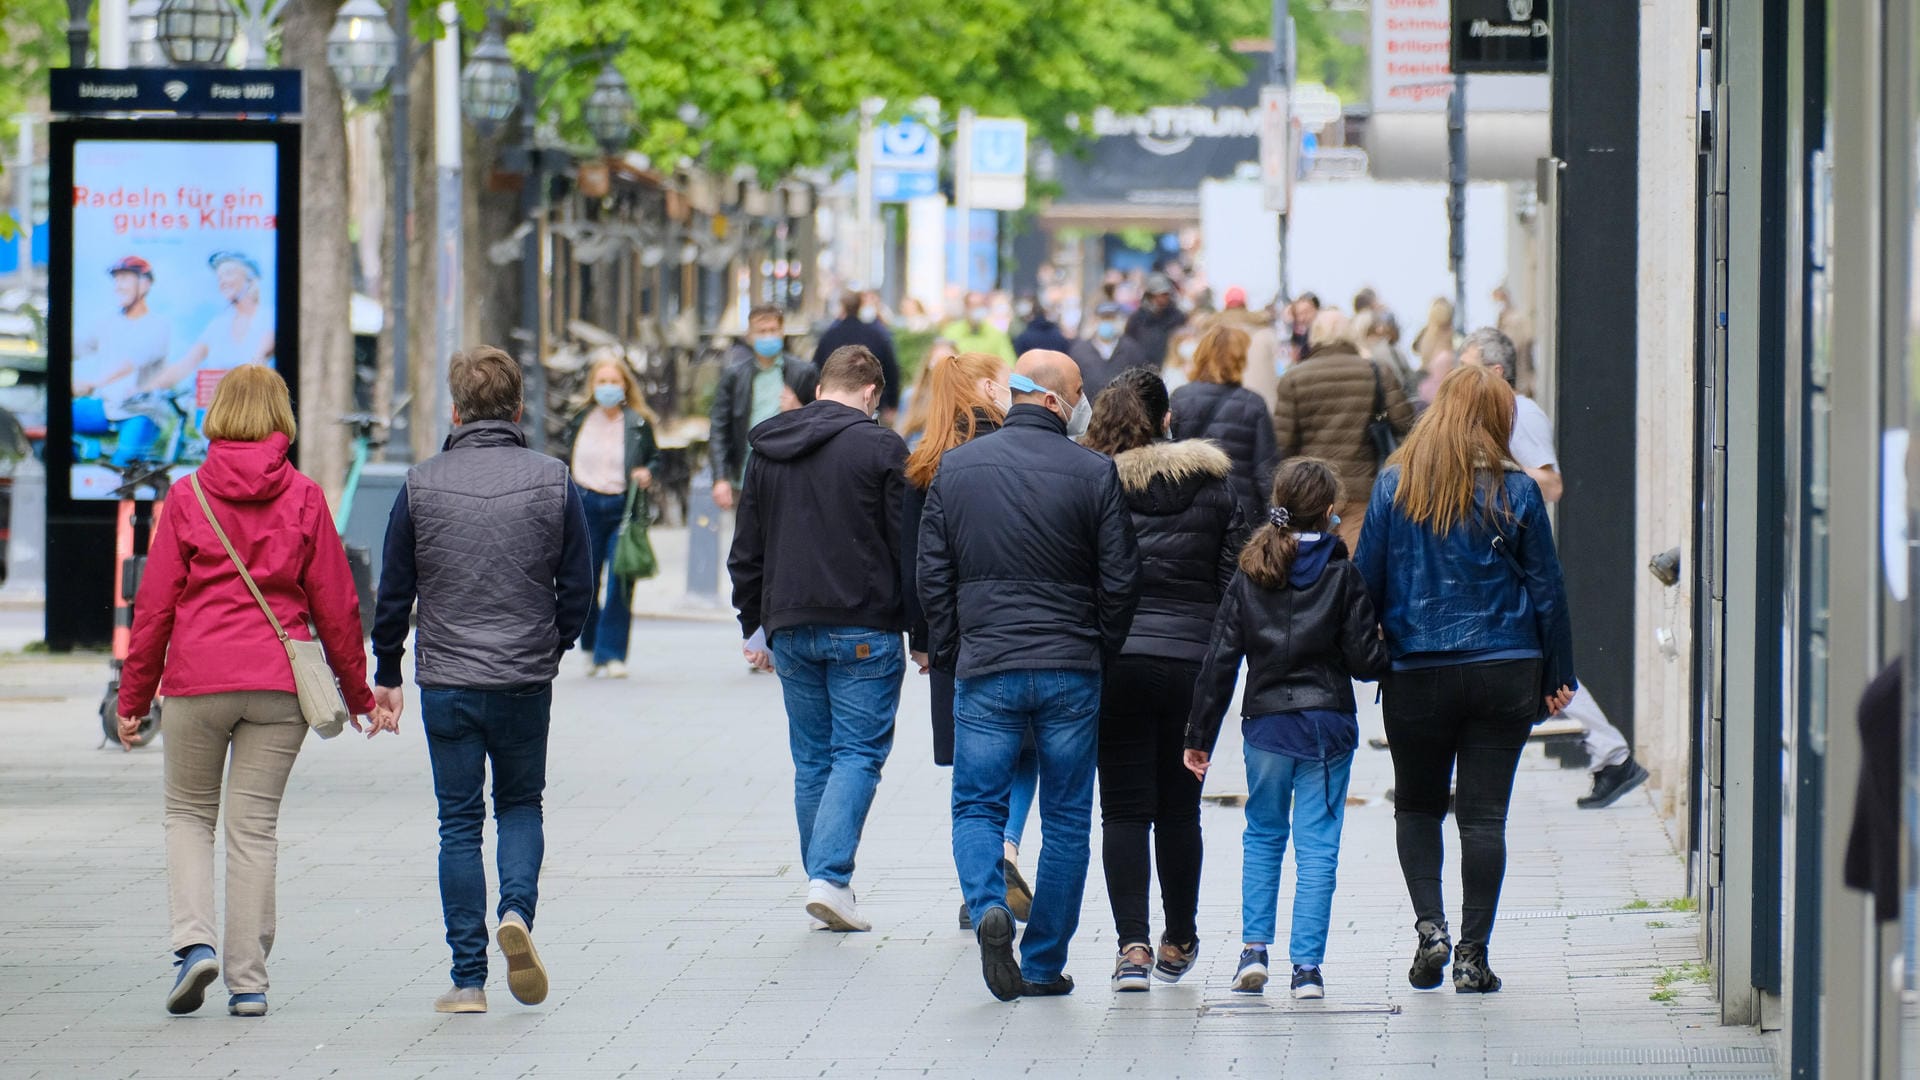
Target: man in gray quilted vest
x=490, y=540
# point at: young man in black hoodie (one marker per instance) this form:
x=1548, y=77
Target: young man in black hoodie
x=816, y=564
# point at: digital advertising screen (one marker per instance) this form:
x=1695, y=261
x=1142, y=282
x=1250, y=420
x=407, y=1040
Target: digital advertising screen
x=173, y=276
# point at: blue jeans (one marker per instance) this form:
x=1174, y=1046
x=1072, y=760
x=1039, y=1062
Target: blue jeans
x=992, y=715
x=1026, y=784
x=842, y=688
x=1315, y=793
x=611, y=619
x=466, y=729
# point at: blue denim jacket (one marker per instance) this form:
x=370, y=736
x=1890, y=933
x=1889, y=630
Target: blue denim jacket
x=1459, y=593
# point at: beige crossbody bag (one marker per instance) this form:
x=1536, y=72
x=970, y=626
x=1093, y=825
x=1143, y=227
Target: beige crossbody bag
x=313, y=679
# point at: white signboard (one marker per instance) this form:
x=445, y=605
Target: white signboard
x=1276, y=146
x=1410, y=71
x=907, y=145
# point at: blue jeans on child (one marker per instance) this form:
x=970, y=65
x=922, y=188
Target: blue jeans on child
x=1314, y=794
x=992, y=716
x=610, y=621
x=842, y=689
x=467, y=729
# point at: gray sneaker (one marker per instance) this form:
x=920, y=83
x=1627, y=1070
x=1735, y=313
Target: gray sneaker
x=526, y=975
x=462, y=999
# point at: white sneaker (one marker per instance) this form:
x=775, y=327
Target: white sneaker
x=615, y=669
x=596, y=671
x=833, y=904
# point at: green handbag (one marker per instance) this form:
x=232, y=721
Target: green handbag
x=633, y=558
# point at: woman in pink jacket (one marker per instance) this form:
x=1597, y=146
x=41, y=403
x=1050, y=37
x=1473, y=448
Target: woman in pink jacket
x=201, y=641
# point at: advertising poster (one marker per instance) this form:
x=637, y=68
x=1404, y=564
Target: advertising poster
x=174, y=277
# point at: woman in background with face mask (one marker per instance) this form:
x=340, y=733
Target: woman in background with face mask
x=610, y=445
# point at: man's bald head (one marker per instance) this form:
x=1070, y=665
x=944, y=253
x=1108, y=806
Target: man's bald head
x=1055, y=371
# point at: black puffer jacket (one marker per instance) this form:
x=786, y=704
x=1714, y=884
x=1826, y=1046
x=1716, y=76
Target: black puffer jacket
x=1304, y=643
x=1188, y=523
x=1235, y=418
x=1027, y=555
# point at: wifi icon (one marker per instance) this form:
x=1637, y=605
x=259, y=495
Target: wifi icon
x=174, y=89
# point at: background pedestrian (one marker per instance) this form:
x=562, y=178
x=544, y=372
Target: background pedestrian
x=612, y=452
x=1214, y=406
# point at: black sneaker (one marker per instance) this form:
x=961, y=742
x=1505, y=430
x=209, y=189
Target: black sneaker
x=997, y=963
x=1251, y=978
x=1131, y=969
x=1430, y=956
x=1175, y=960
x=1612, y=782
x=1059, y=987
x=1471, y=975
x=1307, y=984
x=966, y=917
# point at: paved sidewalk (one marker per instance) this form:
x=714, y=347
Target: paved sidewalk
x=671, y=921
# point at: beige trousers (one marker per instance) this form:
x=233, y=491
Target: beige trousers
x=263, y=731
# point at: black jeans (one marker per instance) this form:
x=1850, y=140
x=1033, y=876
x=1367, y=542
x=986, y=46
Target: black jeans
x=1143, y=786
x=1478, y=715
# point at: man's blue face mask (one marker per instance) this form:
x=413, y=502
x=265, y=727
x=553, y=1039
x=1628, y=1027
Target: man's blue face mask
x=1081, y=414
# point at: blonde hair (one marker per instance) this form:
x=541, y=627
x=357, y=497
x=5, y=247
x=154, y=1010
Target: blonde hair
x=250, y=404
x=953, y=404
x=1461, y=439
x=1437, y=335
x=1221, y=356
x=1329, y=327
x=636, y=398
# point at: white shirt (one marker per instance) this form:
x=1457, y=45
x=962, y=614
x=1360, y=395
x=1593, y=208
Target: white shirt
x=1532, y=442
x=121, y=341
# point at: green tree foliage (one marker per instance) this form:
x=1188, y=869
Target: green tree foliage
x=782, y=79
x=31, y=41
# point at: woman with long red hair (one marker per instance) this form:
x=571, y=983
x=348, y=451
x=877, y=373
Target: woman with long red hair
x=966, y=397
x=1459, y=561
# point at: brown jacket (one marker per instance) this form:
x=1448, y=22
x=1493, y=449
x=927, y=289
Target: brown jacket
x=1321, y=409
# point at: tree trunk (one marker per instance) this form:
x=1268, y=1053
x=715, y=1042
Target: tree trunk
x=422, y=266
x=326, y=282
x=493, y=291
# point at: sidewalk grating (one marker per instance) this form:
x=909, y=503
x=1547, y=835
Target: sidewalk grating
x=1651, y=1055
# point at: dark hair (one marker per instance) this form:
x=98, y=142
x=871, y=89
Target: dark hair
x=804, y=381
x=850, y=303
x=485, y=382
x=851, y=367
x=766, y=311
x=1130, y=413
x=1306, y=488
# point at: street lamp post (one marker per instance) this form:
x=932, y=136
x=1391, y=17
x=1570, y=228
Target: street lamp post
x=368, y=53
x=491, y=88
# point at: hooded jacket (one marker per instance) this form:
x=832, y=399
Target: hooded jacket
x=1153, y=329
x=817, y=535
x=1304, y=643
x=1236, y=419
x=1189, y=528
x=1027, y=555
x=1322, y=406
x=193, y=616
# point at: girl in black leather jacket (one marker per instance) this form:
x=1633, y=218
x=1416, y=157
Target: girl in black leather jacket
x=1298, y=612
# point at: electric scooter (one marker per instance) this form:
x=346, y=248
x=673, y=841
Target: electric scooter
x=127, y=570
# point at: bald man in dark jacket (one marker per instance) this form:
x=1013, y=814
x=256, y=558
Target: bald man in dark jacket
x=1028, y=572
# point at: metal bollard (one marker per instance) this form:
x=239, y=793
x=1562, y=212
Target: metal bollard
x=27, y=546
x=703, y=539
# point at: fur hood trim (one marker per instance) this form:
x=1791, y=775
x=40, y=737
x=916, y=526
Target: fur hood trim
x=1172, y=461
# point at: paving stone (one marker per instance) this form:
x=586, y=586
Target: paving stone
x=671, y=919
